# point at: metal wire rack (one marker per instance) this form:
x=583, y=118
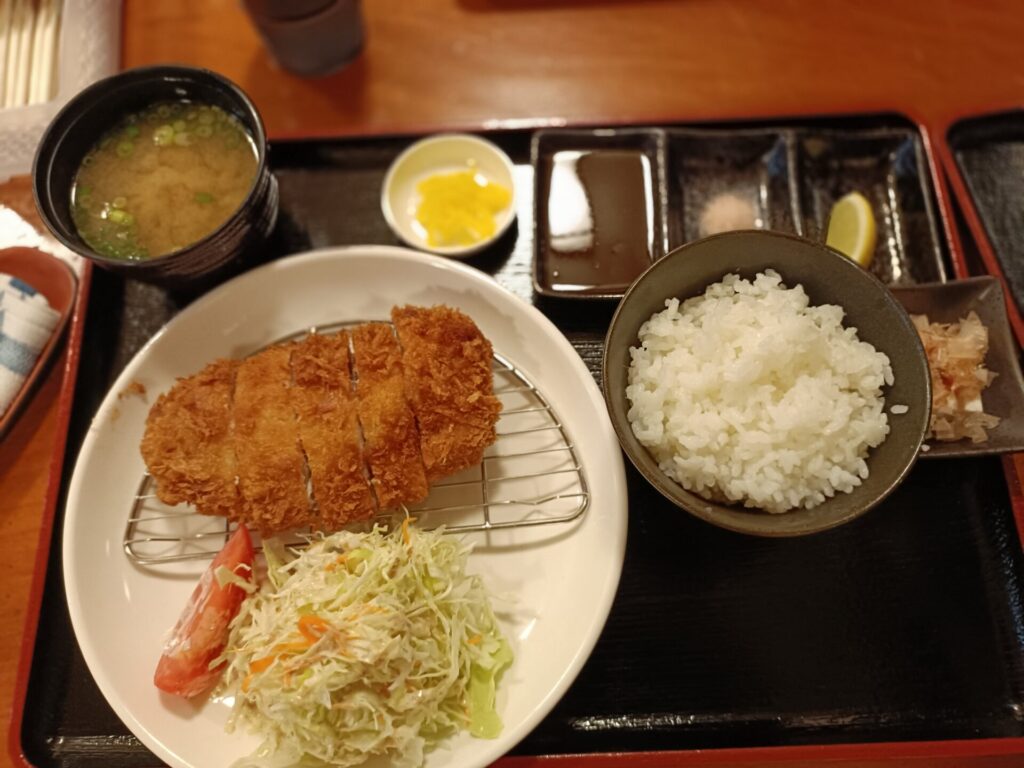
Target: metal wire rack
x=530, y=476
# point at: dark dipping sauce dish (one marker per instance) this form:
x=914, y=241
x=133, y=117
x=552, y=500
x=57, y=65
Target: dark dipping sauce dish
x=102, y=107
x=599, y=213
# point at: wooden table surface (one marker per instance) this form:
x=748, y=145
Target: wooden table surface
x=434, y=64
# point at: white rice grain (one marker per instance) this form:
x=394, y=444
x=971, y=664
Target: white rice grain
x=748, y=394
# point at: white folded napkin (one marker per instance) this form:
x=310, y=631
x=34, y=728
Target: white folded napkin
x=26, y=324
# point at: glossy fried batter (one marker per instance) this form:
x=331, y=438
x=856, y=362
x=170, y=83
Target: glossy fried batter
x=270, y=462
x=325, y=409
x=391, y=442
x=188, y=445
x=449, y=384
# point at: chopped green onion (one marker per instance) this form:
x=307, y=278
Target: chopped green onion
x=204, y=131
x=118, y=216
x=164, y=110
x=163, y=136
x=205, y=118
x=131, y=132
x=125, y=148
x=180, y=125
x=182, y=139
x=119, y=202
x=204, y=198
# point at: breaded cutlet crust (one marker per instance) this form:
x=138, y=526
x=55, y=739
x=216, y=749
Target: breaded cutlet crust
x=391, y=442
x=449, y=384
x=270, y=462
x=188, y=446
x=424, y=407
x=326, y=411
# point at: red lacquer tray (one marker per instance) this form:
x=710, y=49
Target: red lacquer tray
x=891, y=640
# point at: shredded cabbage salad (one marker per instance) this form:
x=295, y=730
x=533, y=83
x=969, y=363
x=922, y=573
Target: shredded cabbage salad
x=363, y=645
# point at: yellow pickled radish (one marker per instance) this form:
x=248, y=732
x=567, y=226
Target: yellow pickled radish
x=459, y=207
x=851, y=228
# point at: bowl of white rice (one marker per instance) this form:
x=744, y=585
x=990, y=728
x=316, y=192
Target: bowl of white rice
x=766, y=383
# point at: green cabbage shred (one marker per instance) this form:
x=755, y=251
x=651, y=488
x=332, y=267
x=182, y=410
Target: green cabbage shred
x=363, y=645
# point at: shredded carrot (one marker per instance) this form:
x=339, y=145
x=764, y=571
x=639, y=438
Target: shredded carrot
x=259, y=665
x=246, y=682
x=338, y=562
x=474, y=639
x=313, y=627
x=297, y=647
x=263, y=663
x=405, y=529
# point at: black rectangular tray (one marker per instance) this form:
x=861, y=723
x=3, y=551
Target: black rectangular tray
x=782, y=177
x=904, y=625
x=989, y=154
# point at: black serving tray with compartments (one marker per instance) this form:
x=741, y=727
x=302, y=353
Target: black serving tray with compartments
x=904, y=625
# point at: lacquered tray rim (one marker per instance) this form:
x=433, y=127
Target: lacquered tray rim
x=72, y=357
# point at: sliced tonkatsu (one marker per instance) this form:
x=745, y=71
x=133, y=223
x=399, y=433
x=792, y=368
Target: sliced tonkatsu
x=449, y=384
x=311, y=434
x=391, y=442
x=271, y=467
x=188, y=446
x=326, y=411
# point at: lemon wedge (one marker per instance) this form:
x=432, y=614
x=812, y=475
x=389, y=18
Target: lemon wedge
x=851, y=228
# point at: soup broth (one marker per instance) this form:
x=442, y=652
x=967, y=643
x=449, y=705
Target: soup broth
x=162, y=179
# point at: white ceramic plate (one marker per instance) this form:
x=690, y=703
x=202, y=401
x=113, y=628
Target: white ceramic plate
x=561, y=578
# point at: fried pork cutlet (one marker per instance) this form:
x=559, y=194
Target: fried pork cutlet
x=270, y=462
x=188, y=445
x=325, y=409
x=449, y=384
x=392, y=446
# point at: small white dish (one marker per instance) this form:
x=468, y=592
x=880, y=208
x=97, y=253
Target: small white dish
x=437, y=154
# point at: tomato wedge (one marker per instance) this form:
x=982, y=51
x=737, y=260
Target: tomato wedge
x=202, y=629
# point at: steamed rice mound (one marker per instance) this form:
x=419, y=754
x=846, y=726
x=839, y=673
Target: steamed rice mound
x=748, y=394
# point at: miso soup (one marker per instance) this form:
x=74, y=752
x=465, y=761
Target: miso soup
x=162, y=179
